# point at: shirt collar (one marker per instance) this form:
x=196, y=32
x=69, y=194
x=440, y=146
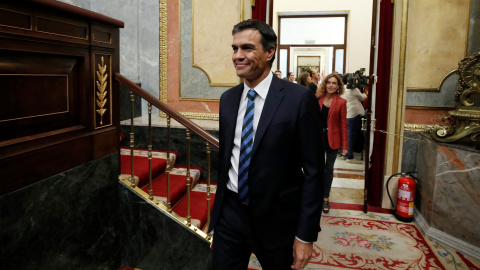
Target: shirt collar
x=261, y=88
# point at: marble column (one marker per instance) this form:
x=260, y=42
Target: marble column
x=448, y=195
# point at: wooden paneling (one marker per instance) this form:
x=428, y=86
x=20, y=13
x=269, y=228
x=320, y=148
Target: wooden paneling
x=39, y=92
x=62, y=28
x=19, y=102
x=59, y=106
x=15, y=19
x=102, y=36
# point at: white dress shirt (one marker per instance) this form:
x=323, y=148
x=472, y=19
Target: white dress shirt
x=262, y=91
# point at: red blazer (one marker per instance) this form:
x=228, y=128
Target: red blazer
x=337, y=122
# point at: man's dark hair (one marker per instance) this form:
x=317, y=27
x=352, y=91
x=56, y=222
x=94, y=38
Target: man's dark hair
x=268, y=36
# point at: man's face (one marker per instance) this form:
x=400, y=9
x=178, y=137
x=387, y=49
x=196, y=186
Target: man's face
x=291, y=77
x=249, y=58
x=315, y=76
x=279, y=74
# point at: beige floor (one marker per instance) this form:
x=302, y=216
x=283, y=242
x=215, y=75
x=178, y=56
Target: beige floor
x=348, y=181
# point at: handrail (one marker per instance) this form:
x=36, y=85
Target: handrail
x=166, y=109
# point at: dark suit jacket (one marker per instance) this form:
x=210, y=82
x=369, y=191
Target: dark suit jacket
x=284, y=201
x=337, y=122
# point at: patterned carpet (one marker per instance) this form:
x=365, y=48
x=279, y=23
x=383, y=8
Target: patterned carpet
x=353, y=240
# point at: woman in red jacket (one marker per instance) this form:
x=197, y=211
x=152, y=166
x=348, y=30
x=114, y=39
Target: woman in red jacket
x=333, y=110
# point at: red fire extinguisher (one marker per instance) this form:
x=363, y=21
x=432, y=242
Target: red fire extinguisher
x=403, y=209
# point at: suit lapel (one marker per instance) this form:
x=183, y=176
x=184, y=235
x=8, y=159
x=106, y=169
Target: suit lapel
x=231, y=112
x=274, y=98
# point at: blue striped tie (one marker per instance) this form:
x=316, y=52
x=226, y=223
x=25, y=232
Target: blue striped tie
x=246, y=148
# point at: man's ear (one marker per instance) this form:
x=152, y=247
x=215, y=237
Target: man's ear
x=270, y=53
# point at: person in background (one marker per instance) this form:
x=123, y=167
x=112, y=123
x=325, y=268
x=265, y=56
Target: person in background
x=312, y=85
x=316, y=78
x=278, y=73
x=291, y=77
x=304, y=79
x=333, y=111
x=355, y=111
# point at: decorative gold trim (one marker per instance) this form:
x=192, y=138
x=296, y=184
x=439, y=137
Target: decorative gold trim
x=462, y=122
x=201, y=116
x=40, y=115
x=425, y=107
x=438, y=89
x=200, y=99
x=102, y=76
x=101, y=86
x=401, y=85
x=155, y=203
x=420, y=89
x=468, y=78
x=416, y=127
x=242, y=15
x=208, y=76
x=474, y=114
x=84, y=26
x=163, y=52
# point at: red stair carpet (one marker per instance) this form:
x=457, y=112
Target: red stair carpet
x=178, y=182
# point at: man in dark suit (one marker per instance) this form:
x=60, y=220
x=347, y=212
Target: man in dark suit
x=270, y=186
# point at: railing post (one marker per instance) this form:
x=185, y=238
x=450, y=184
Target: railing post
x=150, y=190
x=132, y=137
x=208, y=187
x=189, y=184
x=169, y=166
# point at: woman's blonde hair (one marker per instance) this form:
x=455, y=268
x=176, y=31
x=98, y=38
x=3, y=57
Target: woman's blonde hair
x=323, y=85
x=302, y=78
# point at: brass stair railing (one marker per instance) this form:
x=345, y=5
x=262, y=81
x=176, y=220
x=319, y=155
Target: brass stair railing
x=190, y=126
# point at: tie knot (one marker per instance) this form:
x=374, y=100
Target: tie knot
x=251, y=94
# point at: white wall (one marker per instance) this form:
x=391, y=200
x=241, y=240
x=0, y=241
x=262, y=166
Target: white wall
x=359, y=24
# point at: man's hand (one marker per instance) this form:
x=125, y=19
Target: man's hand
x=302, y=252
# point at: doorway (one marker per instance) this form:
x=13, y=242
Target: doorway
x=297, y=41
x=347, y=55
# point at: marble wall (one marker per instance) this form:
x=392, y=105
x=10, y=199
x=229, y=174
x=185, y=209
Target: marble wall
x=84, y=219
x=154, y=241
x=409, y=152
x=449, y=189
x=67, y=221
x=126, y=104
